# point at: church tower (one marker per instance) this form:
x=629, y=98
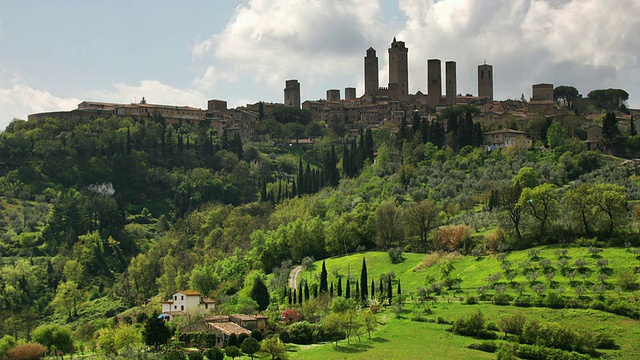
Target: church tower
x=371, y=82
x=485, y=81
x=398, y=71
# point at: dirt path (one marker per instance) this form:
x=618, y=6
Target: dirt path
x=293, y=276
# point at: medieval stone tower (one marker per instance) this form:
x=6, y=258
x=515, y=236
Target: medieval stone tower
x=398, y=71
x=451, y=87
x=333, y=95
x=371, y=82
x=292, y=93
x=349, y=93
x=485, y=81
x=434, y=82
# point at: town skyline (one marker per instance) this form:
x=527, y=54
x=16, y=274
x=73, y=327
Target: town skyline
x=234, y=59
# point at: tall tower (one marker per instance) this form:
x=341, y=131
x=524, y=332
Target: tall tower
x=349, y=93
x=399, y=70
x=292, y=93
x=371, y=82
x=333, y=95
x=485, y=81
x=451, y=87
x=434, y=82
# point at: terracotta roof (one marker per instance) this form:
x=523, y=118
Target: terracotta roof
x=503, y=131
x=167, y=302
x=245, y=317
x=207, y=301
x=190, y=293
x=229, y=328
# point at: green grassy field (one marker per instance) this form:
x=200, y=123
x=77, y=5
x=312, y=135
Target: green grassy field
x=401, y=338
x=474, y=271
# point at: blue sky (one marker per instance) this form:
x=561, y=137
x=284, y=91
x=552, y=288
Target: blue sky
x=54, y=54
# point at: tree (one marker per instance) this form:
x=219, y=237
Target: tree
x=509, y=199
x=542, y=203
x=612, y=201
x=564, y=95
x=581, y=203
x=610, y=131
x=608, y=99
x=156, y=332
x=370, y=321
x=31, y=351
x=421, y=217
x=54, y=335
x=274, y=347
x=250, y=346
x=260, y=293
x=323, y=278
x=214, y=353
x=69, y=297
x=388, y=224
x=232, y=351
x=364, y=283
x=556, y=135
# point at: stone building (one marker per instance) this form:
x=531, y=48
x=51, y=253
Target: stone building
x=292, y=93
x=434, y=82
x=451, y=87
x=398, y=71
x=485, y=82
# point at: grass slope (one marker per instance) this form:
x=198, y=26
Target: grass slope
x=399, y=337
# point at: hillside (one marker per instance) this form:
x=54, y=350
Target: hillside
x=100, y=216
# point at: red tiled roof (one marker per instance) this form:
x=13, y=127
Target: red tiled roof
x=190, y=293
x=229, y=328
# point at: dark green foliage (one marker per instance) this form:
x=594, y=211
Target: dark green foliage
x=364, y=282
x=323, y=278
x=195, y=356
x=340, y=286
x=214, y=353
x=608, y=99
x=486, y=346
x=156, y=332
x=198, y=339
x=389, y=290
x=174, y=354
x=347, y=293
x=250, y=346
x=232, y=351
x=399, y=288
x=233, y=340
x=242, y=337
x=260, y=293
x=257, y=334
x=300, y=333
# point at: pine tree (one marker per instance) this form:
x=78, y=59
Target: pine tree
x=323, y=278
x=364, y=291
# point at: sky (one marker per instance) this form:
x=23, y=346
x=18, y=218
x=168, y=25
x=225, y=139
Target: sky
x=55, y=54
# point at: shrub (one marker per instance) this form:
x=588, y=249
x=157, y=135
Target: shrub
x=451, y=237
x=395, y=255
x=174, y=355
x=214, y=353
x=257, y=334
x=512, y=325
x=301, y=333
x=471, y=300
x=627, y=280
x=195, y=356
x=486, y=346
x=469, y=326
x=554, y=300
x=505, y=352
x=31, y=351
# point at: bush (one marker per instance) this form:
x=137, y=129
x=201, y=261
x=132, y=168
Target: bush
x=471, y=300
x=32, y=351
x=174, y=355
x=214, y=353
x=395, y=255
x=486, y=346
x=195, y=356
x=536, y=352
x=469, y=326
x=301, y=333
x=505, y=352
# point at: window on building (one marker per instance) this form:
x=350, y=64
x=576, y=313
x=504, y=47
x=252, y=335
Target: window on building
x=181, y=307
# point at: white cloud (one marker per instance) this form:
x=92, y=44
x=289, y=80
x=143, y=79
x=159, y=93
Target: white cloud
x=154, y=92
x=268, y=41
x=574, y=42
x=18, y=100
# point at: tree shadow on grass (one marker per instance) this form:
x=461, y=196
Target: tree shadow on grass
x=379, y=339
x=352, y=348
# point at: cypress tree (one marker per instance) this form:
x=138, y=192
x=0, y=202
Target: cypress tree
x=399, y=288
x=364, y=291
x=295, y=297
x=300, y=182
x=347, y=293
x=339, y=286
x=373, y=288
x=260, y=293
x=306, y=291
x=381, y=288
x=357, y=294
x=300, y=293
x=331, y=290
x=323, y=278
x=389, y=289
x=289, y=295
x=315, y=291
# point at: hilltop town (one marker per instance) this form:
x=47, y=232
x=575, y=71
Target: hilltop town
x=504, y=122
